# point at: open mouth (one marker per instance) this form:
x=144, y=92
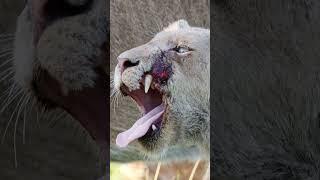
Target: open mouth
x=88, y=106
x=150, y=102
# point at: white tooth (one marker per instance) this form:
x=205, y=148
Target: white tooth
x=154, y=127
x=147, y=83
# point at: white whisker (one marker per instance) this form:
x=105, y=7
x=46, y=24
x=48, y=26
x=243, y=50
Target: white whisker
x=10, y=99
x=6, y=62
x=28, y=114
x=24, y=126
x=114, y=106
x=14, y=90
x=6, y=50
x=6, y=35
x=11, y=117
x=10, y=69
x=56, y=118
x=9, y=74
x=7, y=40
x=39, y=115
x=115, y=97
x=7, y=53
x=5, y=94
x=21, y=106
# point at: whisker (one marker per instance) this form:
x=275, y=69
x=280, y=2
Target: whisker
x=115, y=100
x=37, y=118
x=24, y=126
x=39, y=115
x=6, y=35
x=52, y=113
x=10, y=98
x=9, y=81
x=114, y=105
x=114, y=96
x=6, y=62
x=9, y=122
x=7, y=53
x=10, y=69
x=25, y=115
x=6, y=50
x=194, y=170
x=21, y=106
x=10, y=74
x=119, y=98
x=24, y=123
x=7, y=40
x=54, y=121
x=5, y=93
x=157, y=171
x=14, y=89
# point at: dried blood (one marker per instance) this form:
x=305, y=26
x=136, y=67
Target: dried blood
x=161, y=71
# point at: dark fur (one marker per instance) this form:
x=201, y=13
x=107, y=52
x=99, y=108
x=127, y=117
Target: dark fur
x=266, y=89
x=55, y=148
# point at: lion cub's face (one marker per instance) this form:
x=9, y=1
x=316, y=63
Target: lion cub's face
x=59, y=52
x=168, y=78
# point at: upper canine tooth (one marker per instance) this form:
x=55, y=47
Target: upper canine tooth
x=147, y=83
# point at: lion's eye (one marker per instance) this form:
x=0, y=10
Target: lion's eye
x=181, y=49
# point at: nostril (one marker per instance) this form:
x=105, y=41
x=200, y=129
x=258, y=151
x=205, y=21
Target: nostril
x=126, y=63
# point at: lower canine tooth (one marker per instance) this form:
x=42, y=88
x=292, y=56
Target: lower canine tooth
x=147, y=83
x=153, y=127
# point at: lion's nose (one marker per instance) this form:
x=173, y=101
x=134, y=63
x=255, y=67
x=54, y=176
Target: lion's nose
x=125, y=63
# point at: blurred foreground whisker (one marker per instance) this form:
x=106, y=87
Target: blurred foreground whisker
x=157, y=171
x=194, y=170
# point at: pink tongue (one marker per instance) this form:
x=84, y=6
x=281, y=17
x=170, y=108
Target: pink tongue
x=140, y=127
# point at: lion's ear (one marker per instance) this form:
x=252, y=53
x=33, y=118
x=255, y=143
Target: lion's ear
x=180, y=24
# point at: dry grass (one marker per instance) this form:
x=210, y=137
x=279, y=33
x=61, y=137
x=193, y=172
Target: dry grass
x=158, y=171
